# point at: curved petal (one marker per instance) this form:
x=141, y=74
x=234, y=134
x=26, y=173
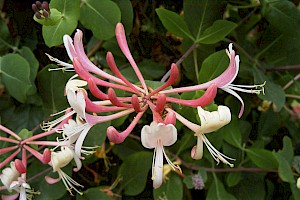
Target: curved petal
x=146, y=139
x=80, y=140
x=157, y=172
x=68, y=42
x=197, y=151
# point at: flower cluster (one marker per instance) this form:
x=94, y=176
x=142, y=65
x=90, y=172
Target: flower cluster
x=139, y=99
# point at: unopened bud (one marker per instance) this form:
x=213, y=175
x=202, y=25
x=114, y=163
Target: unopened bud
x=45, y=14
x=34, y=8
x=20, y=166
x=45, y=6
x=46, y=156
x=38, y=15
x=38, y=4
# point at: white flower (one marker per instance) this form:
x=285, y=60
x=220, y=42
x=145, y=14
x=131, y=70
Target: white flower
x=298, y=183
x=157, y=136
x=59, y=160
x=9, y=175
x=211, y=121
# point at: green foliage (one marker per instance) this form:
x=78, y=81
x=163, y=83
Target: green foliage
x=170, y=189
x=264, y=144
x=174, y=23
x=134, y=180
x=217, y=32
x=15, y=74
x=67, y=23
x=101, y=17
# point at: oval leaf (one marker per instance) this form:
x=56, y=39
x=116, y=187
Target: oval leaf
x=134, y=180
x=213, y=66
x=53, y=35
x=262, y=158
x=15, y=74
x=217, y=32
x=100, y=17
x=171, y=189
x=174, y=23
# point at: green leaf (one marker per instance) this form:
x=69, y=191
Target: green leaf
x=100, y=17
x=171, y=189
x=273, y=91
x=268, y=123
x=217, y=32
x=96, y=135
x=174, y=23
x=94, y=193
x=283, y=15
x=199, y=15
x=126, y=14
x=151, y=70
x=233, y=178
x=4, y=37
x=213, y=66
x=188, y=180
x=134, y=180
x=232, y=134
x=296, y=163
x=127, y=148
x=15, y=74
x=284, y=169
x=262, y=158
x=24, y=134
x=217, y=191
x=51, y=85
x=53, y=35
x=252, y=186
x=25, y=116
x=287, y=151
x=295, y=191
x=27, y=53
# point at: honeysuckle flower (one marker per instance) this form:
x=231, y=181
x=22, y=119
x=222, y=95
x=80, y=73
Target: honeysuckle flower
x=156, y=136
x=59, y=160
x=23, y=188
x=224, y=81
x=210, y=122
x=9, y=175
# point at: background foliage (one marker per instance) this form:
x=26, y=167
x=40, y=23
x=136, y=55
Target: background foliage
x=265, y=141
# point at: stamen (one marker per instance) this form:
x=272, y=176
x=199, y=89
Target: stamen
x=67, y=66
x=215, y=153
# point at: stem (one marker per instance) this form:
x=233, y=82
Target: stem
x=292, y=96
x=184, y=56
x=283, y=68
x=291, y=81
x=194, y=46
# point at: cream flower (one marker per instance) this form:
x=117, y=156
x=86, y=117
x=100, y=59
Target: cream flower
x=156, y=136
